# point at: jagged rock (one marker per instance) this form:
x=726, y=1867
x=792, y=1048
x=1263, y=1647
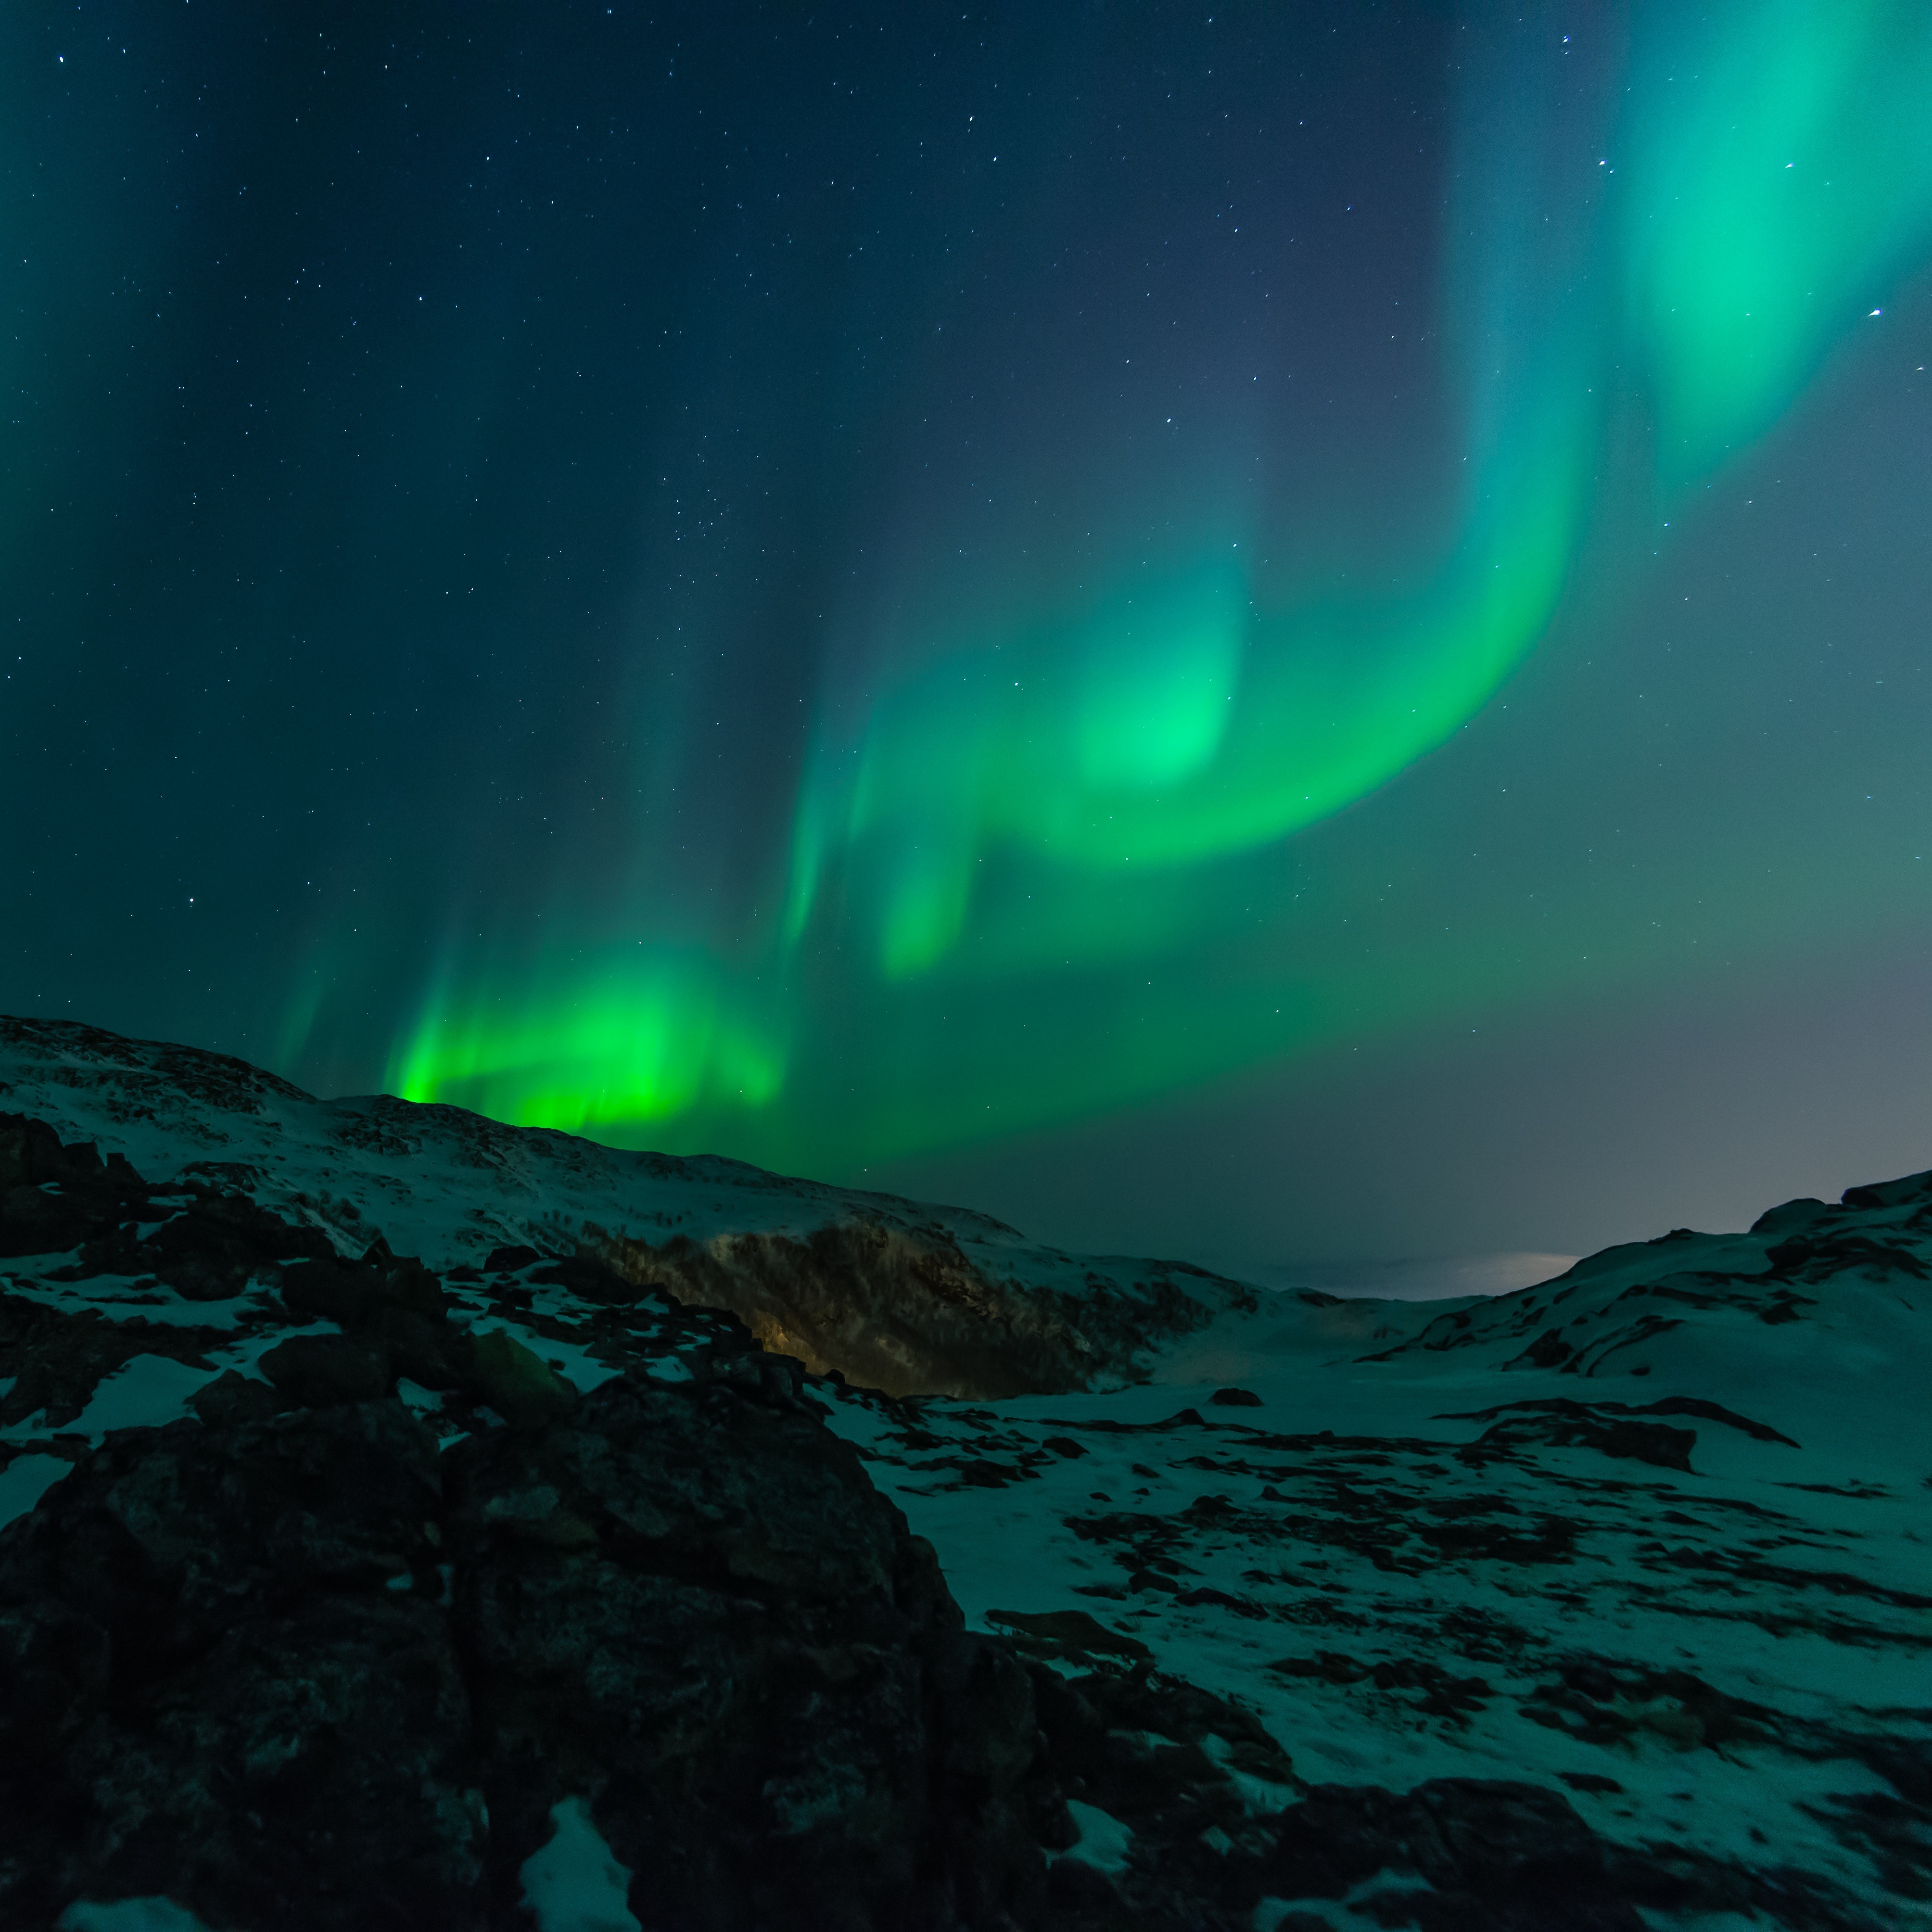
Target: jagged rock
x=53, y=1676
x=518, y=1384
x=910, y=1313
x=332, y=1291
x=56, y=1360
x=1513, y=1857
x=396, y=1309
x=307, y=1770
x=1168, y=1762
x=234, y=1397
x=54, y=1197
x=741, y=1659
x=584, y=1275
x=302, y=1671
x=321, y=1369
x=514, y=1256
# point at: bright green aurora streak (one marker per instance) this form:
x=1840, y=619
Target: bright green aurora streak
x=1014, y=822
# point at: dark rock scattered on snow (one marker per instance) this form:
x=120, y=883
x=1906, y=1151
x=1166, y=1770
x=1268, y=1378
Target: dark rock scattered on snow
x=540, y=1660
x=291, y=1664
x=1236, y=1398
x=297, y=1670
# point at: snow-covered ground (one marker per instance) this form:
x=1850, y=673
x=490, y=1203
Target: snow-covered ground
x=1654, y=1532
x=1725, y=1656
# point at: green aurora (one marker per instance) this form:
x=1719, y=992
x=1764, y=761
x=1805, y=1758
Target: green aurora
x=1086, y=782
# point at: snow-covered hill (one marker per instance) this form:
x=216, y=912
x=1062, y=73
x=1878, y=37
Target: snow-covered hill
x=903, y=1295
x=1637, y=1558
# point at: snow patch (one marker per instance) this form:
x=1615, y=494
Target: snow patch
x=422, y=1401
x=24, y=1480
x=129, y=1915
x=145, y=1392
x=1104, y=1843
x=575, y=1884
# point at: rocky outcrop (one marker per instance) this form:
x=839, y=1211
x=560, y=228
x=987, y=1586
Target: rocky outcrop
x=303, y=1673
x=291, y=1664
x=895, y=1294
x=52, y=1198
x=908, y=1313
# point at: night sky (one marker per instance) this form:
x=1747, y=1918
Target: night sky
x=1263, y=631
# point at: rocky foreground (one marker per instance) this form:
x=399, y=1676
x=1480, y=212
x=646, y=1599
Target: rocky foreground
x=521, y=1583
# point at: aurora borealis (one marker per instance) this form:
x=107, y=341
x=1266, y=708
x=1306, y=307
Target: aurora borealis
x=868, y=595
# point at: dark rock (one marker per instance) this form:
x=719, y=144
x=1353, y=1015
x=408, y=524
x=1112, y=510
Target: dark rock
x=1236, y=1398
x=1590, y=1780
x=165, y=1536
x=202, y=1278
x=519, y=1385
x=776, y=1379
x=509, y=1258
x=409, y=1286
x=1162, y=1757
x=1791, y=1214
x=1080, y=1888
x=53, y=1198
x=330, y=1291
x=53, y=1676
x=319, y=1369
x=1889, y=1193
x=1075, y=1636
x=585, y=1276
x=231, y=1227
x=1051, y=1822
x=234, y=1397
x=59, y=1358
x=1817, y=1257
x=30, y=1152
x=1506, y=1854
x=1548, y=1351
x=307, y=1772
x=689, y=1604
x=398, y=1310
x=432, y=1353
x=983, y=1699
x=32, y=1156
x=34, y=1222
x=211, y=1694
x=980, y=1472
x=1609, y=1428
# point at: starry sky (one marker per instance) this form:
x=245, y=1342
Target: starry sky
x=1265, y=631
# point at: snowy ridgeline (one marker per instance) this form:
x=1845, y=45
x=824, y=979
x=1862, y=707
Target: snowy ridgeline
x=1328, y=1580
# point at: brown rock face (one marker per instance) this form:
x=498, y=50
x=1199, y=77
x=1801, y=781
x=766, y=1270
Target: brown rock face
x=908, y=1313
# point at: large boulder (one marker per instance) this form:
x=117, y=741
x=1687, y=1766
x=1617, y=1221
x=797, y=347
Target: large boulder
x=301, y=1670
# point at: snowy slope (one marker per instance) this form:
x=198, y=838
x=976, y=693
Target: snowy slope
x=1652, y=1534
x=1656, y=1531
x=911, y=1296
